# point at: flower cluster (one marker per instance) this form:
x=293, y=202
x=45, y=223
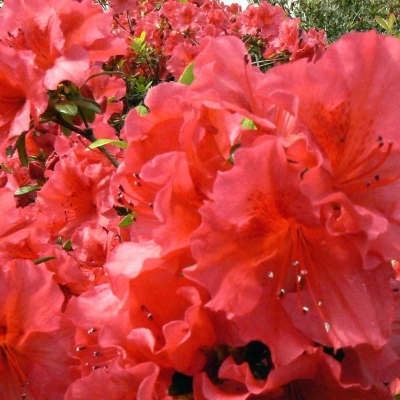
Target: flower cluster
x=233, y=240
x=164, y=38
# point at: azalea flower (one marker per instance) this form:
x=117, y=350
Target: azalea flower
x=76, y=193
x=65, y=37
x=21, y=97
x=267, y=260
x=33, y=343
x=357, y=134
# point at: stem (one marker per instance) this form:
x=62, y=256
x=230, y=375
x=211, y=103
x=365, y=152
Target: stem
x=89, y=135
x=128, y=15
x=103, y=73
x=119, y=23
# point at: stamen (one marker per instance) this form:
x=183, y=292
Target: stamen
x=147, y=312
x=375, y=153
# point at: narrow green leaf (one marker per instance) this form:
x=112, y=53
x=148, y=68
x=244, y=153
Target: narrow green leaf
x=26, y=189
x=382, y=22
x=66, y=107
x=103, y=142
x=392, y=18
x=67, y=246
x=44, y=259
x=20, y=145
x=187, y=77
x=127, y=221
x=397, y=397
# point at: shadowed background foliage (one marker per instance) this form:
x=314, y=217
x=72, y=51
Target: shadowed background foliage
x=338, y=17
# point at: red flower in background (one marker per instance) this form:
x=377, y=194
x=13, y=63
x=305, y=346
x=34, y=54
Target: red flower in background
x=21, y=96
x=33, y=343
x=65, y=37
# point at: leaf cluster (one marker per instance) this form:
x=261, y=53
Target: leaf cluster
x=338, y=17
x=68, y=107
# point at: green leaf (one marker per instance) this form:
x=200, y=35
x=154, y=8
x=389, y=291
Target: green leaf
x=67, y=246
x=66, y=107
x=382, y=23
x=397, y=397
x=103, y=142
x=67, y=132
x=142, y=110
x=89, y=105
x=137, y=43
x=44, y=259
x=20, y=145
x=392, y=18
x=26, y=189
x=187, y=77
x=248, y=124
x=127, y=221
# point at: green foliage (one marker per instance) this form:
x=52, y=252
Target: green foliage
x=187, y=77
x=338, y=17
x=26, y=189
x=103, y=142
x=128, y=220
x=44, y=259
x=67, y=107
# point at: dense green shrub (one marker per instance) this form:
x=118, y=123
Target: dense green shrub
x=338, y=17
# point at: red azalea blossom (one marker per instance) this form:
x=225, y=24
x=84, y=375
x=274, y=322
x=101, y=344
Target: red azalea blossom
x=75, y=193
x=233, y=238
x=166, y=322
x=64, y=36
x=22, y=96
x=34, y=363
x=356, y=179
x=267, y=238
